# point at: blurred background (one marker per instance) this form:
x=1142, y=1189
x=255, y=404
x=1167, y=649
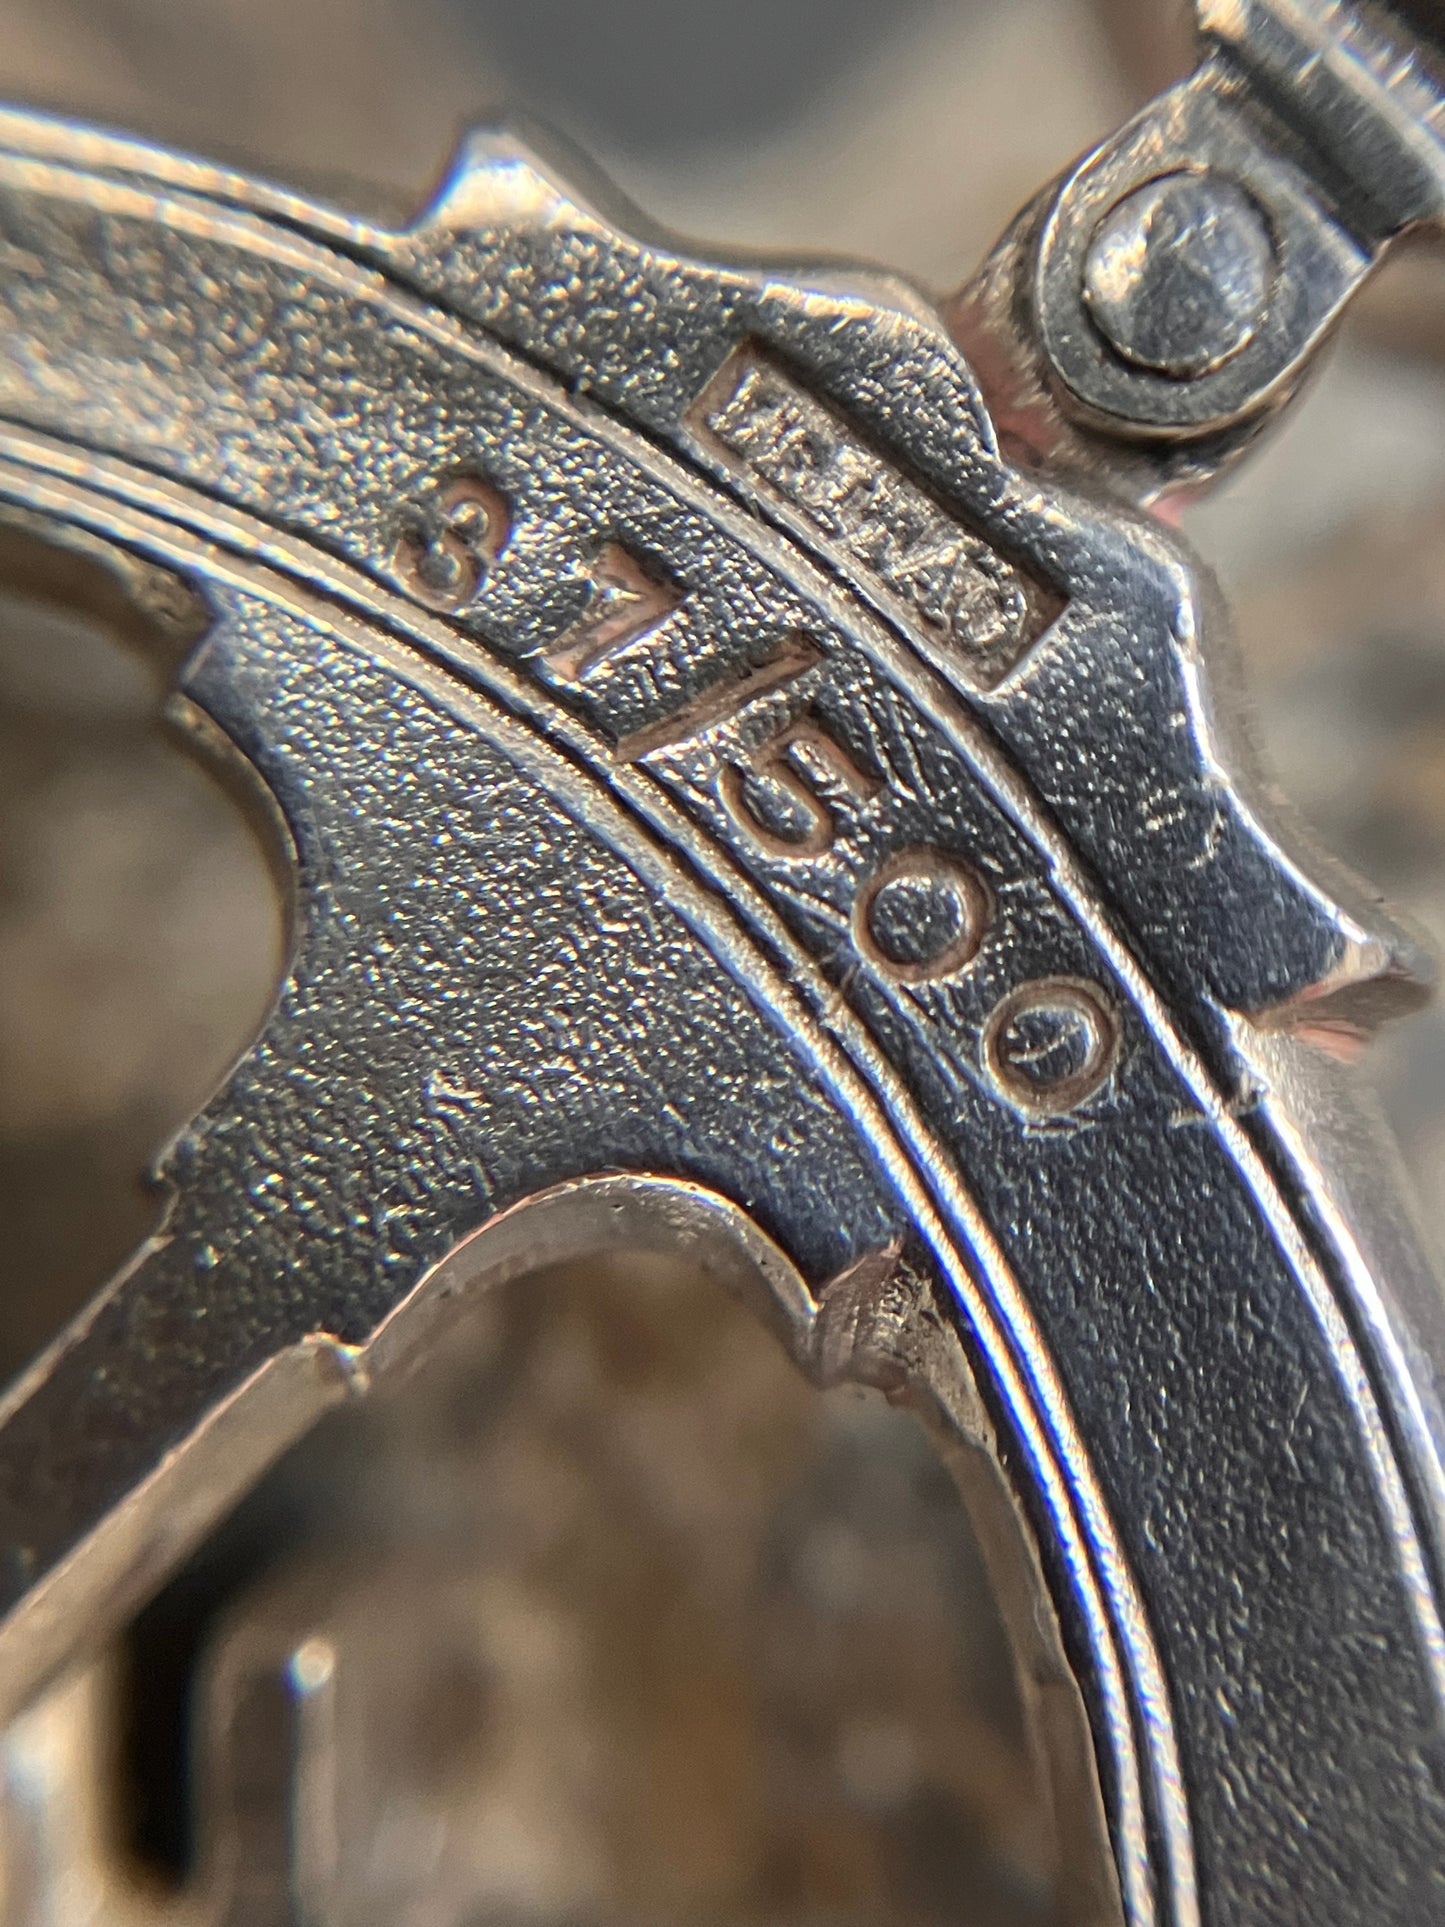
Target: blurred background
x=663, y=1635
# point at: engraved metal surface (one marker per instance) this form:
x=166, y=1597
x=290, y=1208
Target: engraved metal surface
x=730, y=803
x=786, y=442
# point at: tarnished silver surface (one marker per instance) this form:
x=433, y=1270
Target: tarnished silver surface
x=728, y=803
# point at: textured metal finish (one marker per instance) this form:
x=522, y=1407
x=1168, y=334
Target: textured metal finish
x=726, y=802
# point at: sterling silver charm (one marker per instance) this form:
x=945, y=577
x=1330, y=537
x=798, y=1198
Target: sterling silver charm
x=746, y=769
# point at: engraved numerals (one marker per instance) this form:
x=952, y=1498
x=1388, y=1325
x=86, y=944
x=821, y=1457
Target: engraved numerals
x=715, y=702
x=629, y=600
x=802, y=762
x=918, y=915
x=921, y=915
x=1051, y=1044
x=449, y=537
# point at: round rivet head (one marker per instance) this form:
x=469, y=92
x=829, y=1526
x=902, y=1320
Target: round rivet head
x=1179, y=274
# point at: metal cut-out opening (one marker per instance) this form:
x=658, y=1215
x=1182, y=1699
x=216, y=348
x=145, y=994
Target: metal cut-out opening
x=142, y=913
x=596, y=1560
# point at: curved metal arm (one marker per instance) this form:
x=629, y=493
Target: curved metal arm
x=700, y=755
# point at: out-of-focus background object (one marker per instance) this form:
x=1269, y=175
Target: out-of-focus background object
x=645, y=1630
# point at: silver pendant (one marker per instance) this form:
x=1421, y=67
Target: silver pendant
x=748, y=772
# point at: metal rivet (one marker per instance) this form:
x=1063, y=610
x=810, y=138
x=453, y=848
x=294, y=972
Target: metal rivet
x=1179, y=274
